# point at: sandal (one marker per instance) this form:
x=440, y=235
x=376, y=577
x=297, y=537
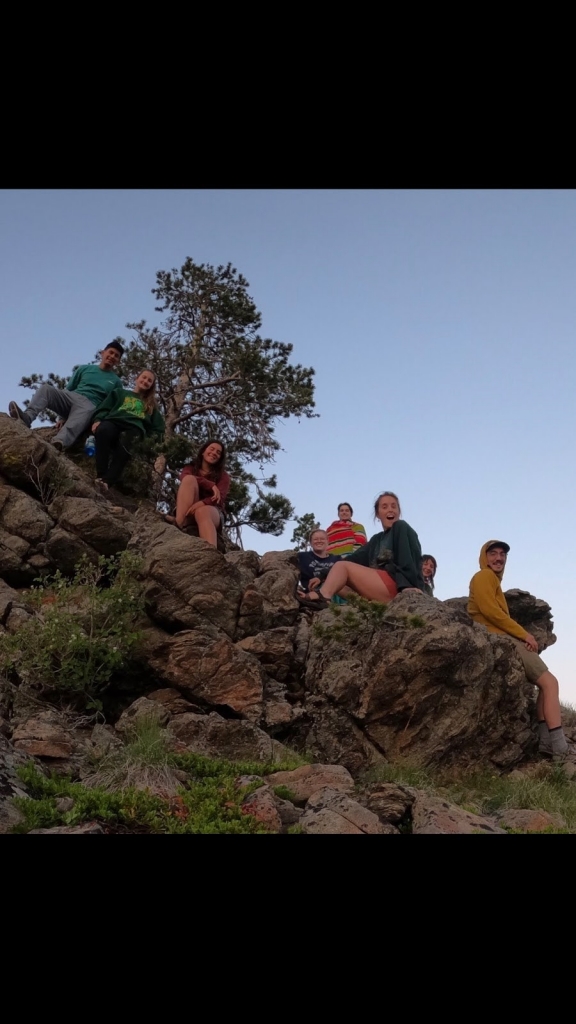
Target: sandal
x=319, y=604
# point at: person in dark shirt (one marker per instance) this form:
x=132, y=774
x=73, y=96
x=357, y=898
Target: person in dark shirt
x=429, y=566
x=315, y=564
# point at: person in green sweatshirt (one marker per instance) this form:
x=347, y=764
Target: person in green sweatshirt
x=75, y=404
x=125, y=416
x=488, y=606
x=389, y=563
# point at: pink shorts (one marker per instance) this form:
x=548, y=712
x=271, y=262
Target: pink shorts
x=388, y=581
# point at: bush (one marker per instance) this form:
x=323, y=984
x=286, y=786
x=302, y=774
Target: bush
x=83, y=633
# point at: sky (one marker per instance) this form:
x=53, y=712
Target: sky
x=439, y=322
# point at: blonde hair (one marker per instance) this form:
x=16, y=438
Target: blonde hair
x=149, y=396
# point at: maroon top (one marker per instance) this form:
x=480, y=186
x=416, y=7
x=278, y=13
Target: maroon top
x=205, y=486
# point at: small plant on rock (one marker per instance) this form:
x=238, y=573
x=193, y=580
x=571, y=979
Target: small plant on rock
x=84, y=631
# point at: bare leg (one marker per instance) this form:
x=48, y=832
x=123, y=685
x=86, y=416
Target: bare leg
x=187, y=496
x=208, y=520
x=549, y=707
x=540, y=706
x=365, y=582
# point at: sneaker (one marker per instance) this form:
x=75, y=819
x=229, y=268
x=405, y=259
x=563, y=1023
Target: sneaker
x=57, y=445
x=17, y=413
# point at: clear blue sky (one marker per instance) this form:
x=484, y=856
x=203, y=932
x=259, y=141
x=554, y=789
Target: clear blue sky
x=440, y=325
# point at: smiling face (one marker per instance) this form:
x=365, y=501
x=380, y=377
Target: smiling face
x=144, y=381
x=344, y=512
x=428, y=568
x=212, y=454
x=496, y=559
x=388, y=511
x=319, y=543
x=109, y=358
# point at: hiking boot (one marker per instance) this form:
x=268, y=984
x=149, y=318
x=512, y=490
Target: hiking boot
x=58, y=446
x=18, y=414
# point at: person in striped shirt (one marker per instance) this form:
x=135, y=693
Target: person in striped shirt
x=344, y=535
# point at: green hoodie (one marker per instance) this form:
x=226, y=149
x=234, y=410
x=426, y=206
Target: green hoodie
x=127, y=409
x=487, y=604
x=397, y=551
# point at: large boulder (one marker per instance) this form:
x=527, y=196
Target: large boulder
x=426, y=684
x=188, y=584
x=212, y=671
x=269, y=602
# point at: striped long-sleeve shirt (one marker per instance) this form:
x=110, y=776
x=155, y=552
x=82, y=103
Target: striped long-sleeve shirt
x=344, y=537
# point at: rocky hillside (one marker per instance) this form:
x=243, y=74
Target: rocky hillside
x=227, y=667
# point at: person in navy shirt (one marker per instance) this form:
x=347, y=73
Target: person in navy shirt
x=315, y=564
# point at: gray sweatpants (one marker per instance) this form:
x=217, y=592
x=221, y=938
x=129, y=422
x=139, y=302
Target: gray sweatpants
x=69, y=405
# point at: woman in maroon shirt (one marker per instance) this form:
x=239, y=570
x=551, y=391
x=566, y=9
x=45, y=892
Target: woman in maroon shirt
x=204, y=486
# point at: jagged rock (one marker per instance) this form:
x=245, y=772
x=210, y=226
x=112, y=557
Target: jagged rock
x=274, y=650
x=330, y=735
x=214, y=672
x=10, y=785
x=65, y=550
x=104, y=740
x=390, y=801
x=187, y=583
x=23, y=516
x=304, y=782
x=29, y=463
x=246, y=563
x=529, y=820
x=431, y=815
x=88, y=828
x=262, y=806
x=172, y=700
x=444, y=692
x=13, y=613
x=330, y=812
x=532, y=613
x=93, y=522
x=213, y=736
x=289, y=814
x=277, y=561
x=44, y=736
x=142, y=710
x=270, y=600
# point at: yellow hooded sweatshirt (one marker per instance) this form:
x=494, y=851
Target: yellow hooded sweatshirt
x=487, y=604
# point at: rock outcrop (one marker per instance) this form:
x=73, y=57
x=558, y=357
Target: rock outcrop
x=233, y=667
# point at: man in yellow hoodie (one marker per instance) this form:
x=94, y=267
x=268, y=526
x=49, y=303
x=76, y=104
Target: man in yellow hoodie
x=487, y=605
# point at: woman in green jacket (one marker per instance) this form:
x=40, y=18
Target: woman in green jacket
x=122, y=418
x=389, y=563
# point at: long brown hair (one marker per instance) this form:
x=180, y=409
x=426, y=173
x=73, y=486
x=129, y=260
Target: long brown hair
x=149, y=396
x=215, y=472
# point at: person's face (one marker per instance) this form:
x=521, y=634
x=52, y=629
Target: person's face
x=145, y=380
x=427, y=568
x=319, y=543
x=388, y=511
x=213, y=453
x=496, y=559
x=345, y=513
x=110, y=358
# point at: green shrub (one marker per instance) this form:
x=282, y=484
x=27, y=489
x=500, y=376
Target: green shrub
x=84, y=630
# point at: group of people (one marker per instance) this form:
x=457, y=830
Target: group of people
x=342, y=561
x=95, y=400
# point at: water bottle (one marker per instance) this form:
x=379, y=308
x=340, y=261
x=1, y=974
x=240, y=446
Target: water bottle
x=90, y=446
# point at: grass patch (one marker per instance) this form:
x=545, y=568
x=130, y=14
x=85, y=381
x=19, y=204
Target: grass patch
x=136, y=789
x=544, y=788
